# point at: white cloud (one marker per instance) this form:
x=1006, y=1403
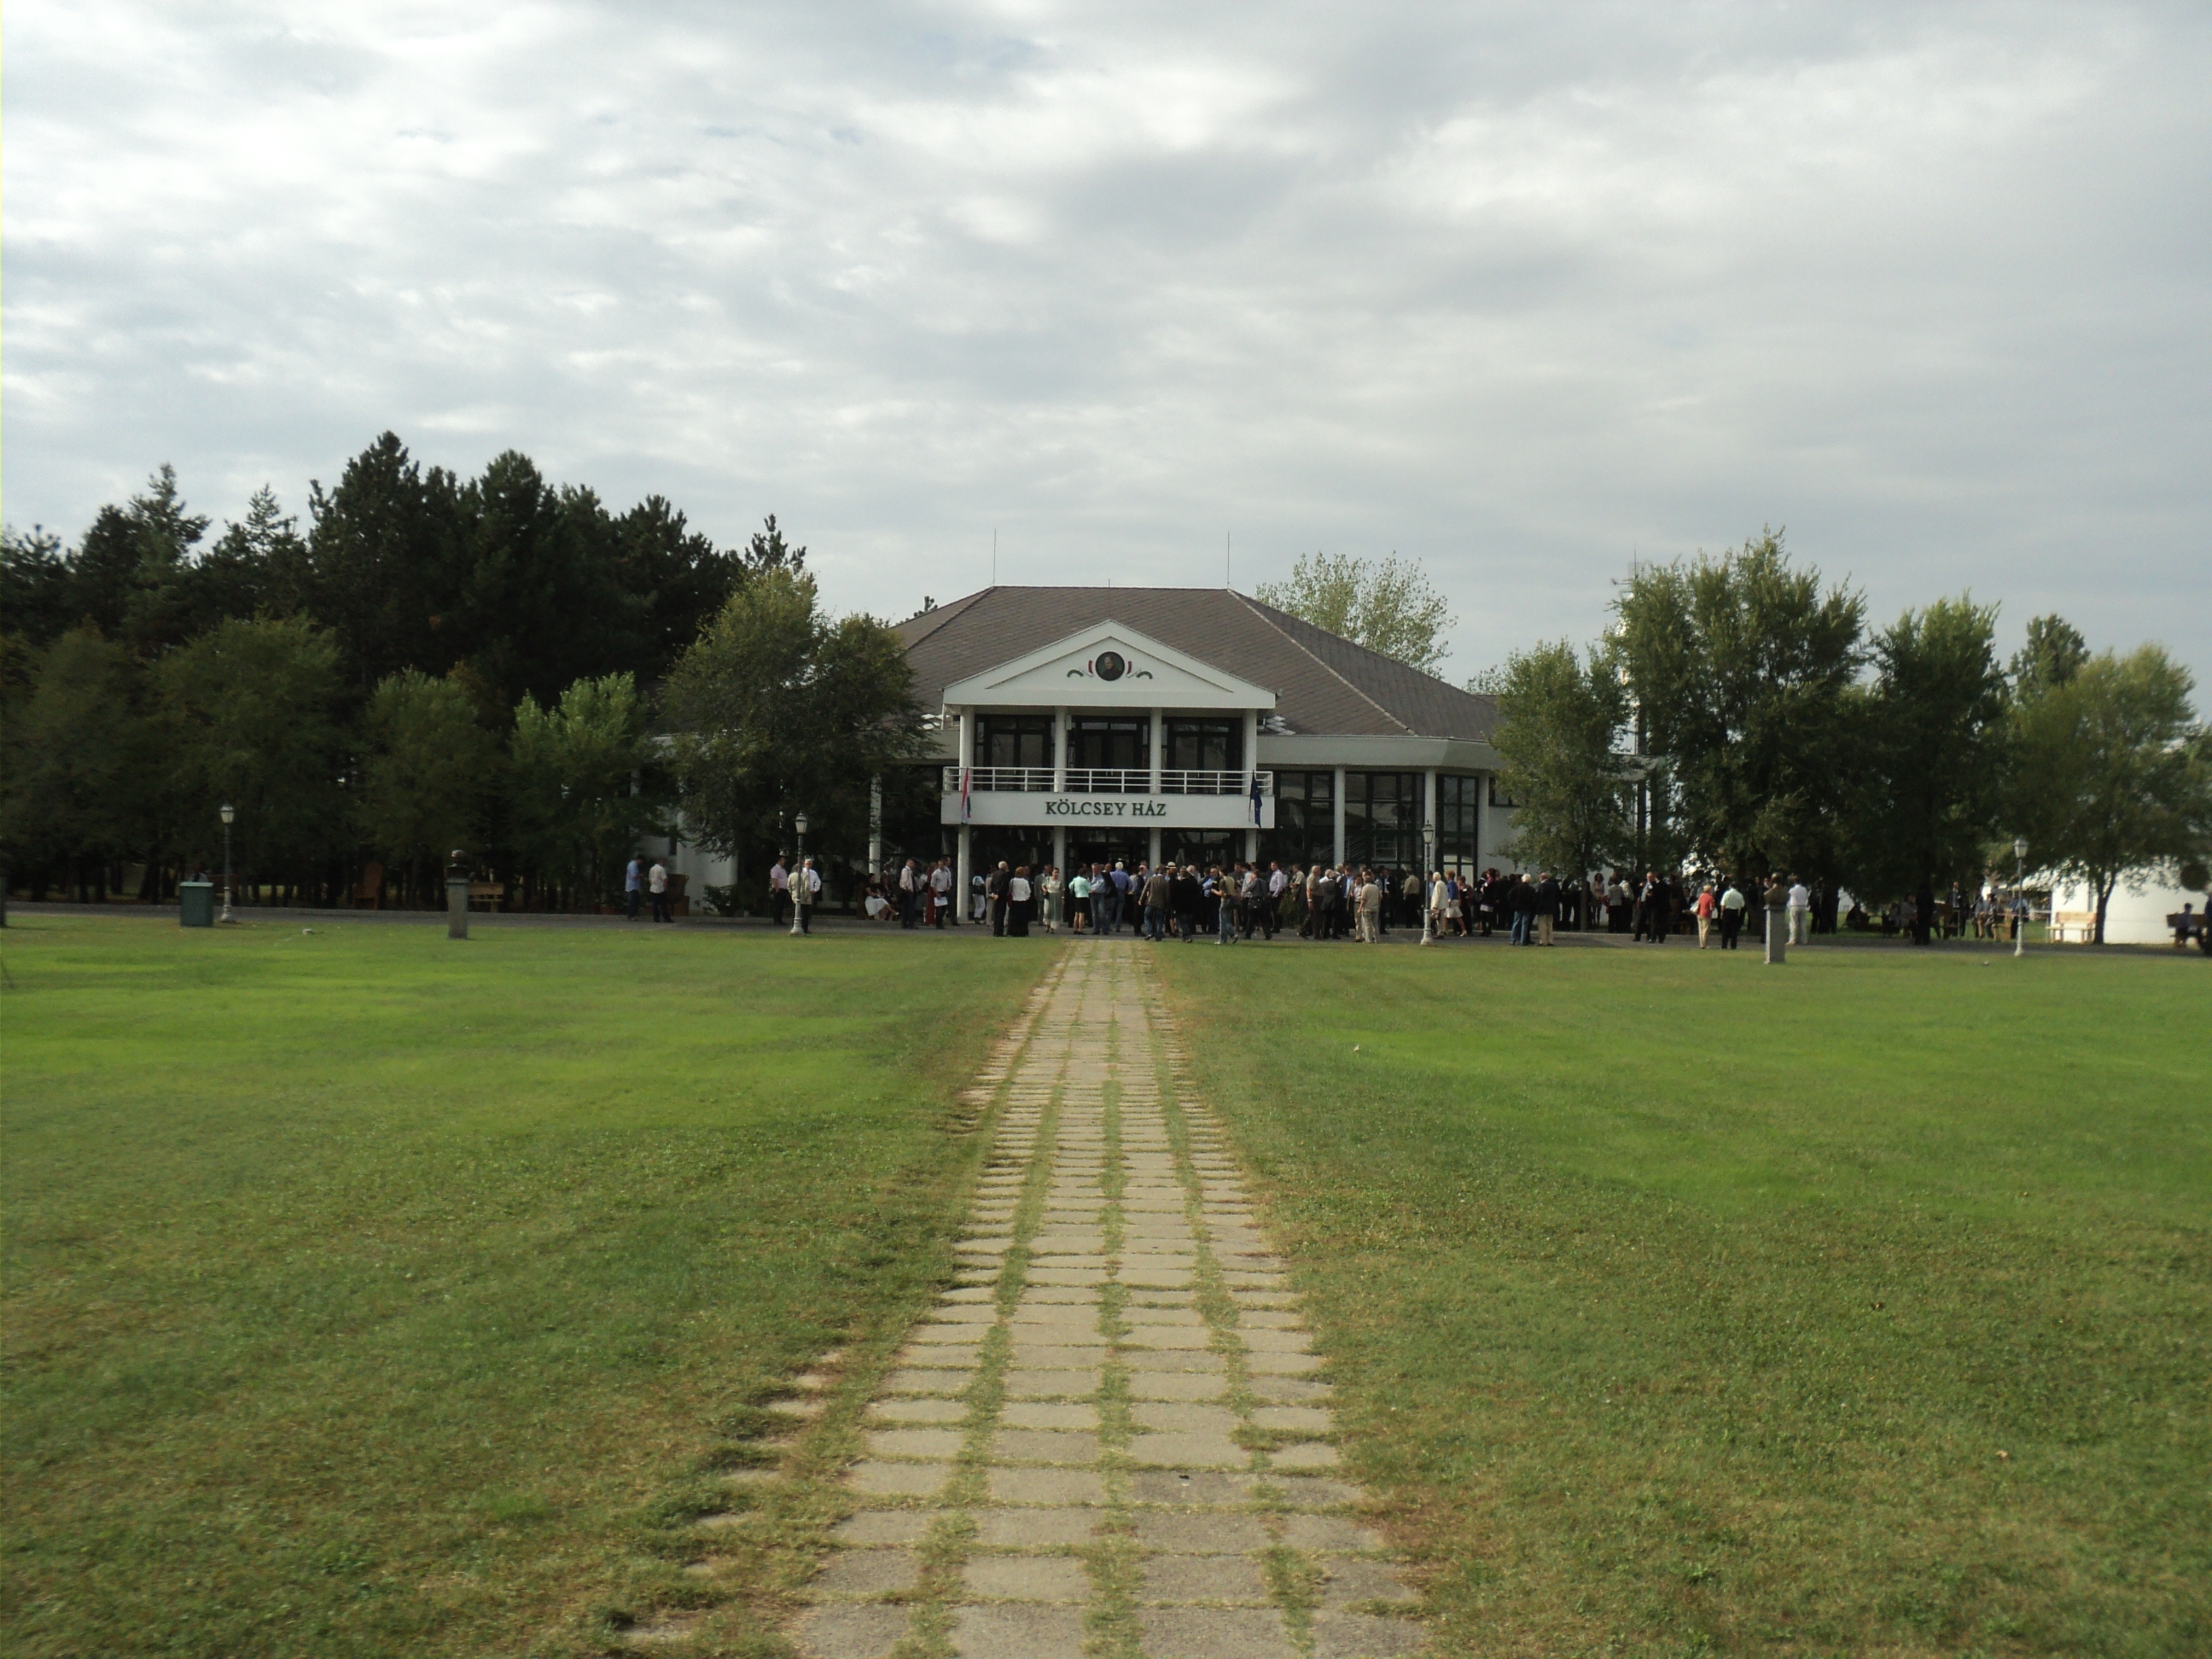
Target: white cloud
x=1516, y=292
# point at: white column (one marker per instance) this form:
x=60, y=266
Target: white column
x=963, y=759
x=1251, y=847
x=1152, y=852
x=1159, y=752
x=1339, y=815
x=1058, y=754
x=1060, y=853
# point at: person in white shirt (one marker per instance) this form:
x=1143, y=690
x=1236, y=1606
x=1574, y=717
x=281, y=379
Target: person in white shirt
x=940, y=894
x=1800, y=913
x=656, y=882
x=1732, y=903
x=909, y=895
x=779, y=889
x=805, y=889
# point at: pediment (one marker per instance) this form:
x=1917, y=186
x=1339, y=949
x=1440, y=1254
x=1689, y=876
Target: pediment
x=1106, y=666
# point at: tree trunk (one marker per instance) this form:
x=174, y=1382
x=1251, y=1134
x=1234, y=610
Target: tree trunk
x=1924, y=903
x=2104, y=902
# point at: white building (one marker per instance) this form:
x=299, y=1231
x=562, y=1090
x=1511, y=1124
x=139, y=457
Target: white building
x=2132, y=918
x=1091, y=724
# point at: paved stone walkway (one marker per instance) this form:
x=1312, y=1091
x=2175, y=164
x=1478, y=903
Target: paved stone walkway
x=1110, y=1438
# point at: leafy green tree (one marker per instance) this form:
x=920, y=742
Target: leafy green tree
x=250, y=713
x=540, y=606
x=79, y=757
x=1932, y=758
x=431, y=770
x=35, y=582
x=1560, y=720
x=1741, y=670
x=133, y=575
x=257, y=565
x=768, y=550
x=2054, y=653
x=383, y=564
x=2111, y=780
x=578, y=774
x=1385, y=604
x=676, y=576
x=778, y=709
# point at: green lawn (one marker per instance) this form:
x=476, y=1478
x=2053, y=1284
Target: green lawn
x=1684, y=1306
x=367, y=1293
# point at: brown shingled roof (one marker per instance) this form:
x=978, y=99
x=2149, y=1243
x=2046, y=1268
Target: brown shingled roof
x=1323, y=684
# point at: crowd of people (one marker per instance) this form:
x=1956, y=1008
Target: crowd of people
x=1191, y=901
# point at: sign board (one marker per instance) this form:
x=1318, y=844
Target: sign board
x=998, y=808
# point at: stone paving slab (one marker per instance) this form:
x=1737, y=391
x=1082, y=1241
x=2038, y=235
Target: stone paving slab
x=1118, y=1458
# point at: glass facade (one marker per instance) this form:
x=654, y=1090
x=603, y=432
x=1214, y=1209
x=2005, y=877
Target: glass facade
x=1195, y=745
x=1459, y=823
x=1382, y=819
x=1122, y=744
x=1305, y=820
x=1014, y=740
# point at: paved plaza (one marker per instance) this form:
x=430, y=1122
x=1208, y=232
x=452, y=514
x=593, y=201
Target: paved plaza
x=1109, y=1438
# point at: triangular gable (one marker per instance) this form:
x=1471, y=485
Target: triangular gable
x=1107, y=666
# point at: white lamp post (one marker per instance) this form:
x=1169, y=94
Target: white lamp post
x=229, y=813
x=799, y=895
x=2020, y=896
x=1428, y=874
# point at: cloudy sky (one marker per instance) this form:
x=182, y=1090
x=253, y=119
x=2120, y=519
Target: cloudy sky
x=1523, y=292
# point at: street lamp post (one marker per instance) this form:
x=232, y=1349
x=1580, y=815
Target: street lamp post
x=229, y=813
x=1428, y=874
x=799, y=892
x=2020, y=896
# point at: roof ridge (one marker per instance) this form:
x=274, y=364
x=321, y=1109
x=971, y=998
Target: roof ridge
x=1261, y=610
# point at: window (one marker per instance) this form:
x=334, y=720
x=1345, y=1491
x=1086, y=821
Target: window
x=1459, y=823
x=1382, y=819
x=1305, y=821
x=1204, y=745
x=1109, y=743
x=1014, y=740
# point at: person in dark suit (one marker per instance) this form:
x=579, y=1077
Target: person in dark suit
x=994, y=897
x=1547, y=908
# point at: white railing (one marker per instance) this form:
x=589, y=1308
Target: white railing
x=1110, y=780
x=1017, y=780
x=1105, y=781
x=1215, y=783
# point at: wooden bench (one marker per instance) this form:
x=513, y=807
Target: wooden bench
x=2078, y=925
x=370, y=892
x=492, y=892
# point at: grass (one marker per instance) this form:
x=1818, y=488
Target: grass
x=1681, y=1306
x=366, y=1293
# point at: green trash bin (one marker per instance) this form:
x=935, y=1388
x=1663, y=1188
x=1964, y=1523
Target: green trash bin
x=196, y=904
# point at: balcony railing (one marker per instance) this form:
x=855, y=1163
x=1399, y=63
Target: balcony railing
x=1214, y=783
x=1110, y=780
x=1105, y=781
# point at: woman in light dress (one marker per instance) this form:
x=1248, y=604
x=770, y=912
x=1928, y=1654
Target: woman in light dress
x=1048, y=898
